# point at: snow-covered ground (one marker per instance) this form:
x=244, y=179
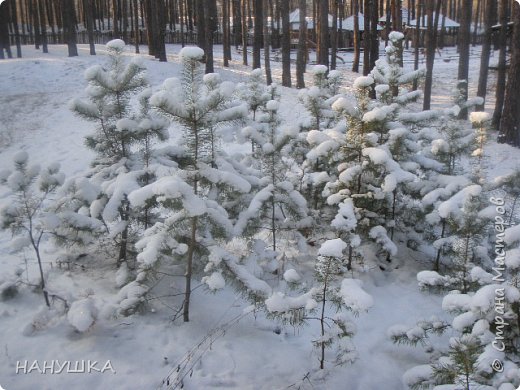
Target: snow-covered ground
x=244, y=350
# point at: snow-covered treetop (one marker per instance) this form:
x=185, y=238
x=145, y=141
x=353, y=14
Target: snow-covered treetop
x=363, y=82
x=478, y=118
x=116, y=45
x=191, y=52
x=332, y=248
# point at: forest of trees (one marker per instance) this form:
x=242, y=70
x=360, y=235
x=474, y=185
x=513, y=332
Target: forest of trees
x=264, y=25
x=211, y=180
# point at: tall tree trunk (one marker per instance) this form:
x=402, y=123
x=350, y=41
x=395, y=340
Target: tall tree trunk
x=464, y=46
x=244, y=33
x=14, y=17
x=115, y=14
x=43, y=25
x=87, y=4
x=374, y=45
x=267, y=43
x=160, y=18
x=501, y=77
x=226, y=39
x=210, y=23
x=69, y=26
x=149, y=11
x=323, y=38
x=301, y=60
x=137, y=34
x=258, y=32
x=476, y=23
x=200, y=23
x=334, y=35
x=237, y=23
x=486, y=51
x=367, y=39
x=4, y=33
x=431, y=45
x=510, y=121
x=357, y=39
x=418, y=18
x=286, y=45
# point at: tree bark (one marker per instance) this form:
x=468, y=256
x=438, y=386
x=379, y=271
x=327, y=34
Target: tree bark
x=87, y=4
x=357, y=39
x=367, y=39
x=374, y=45
x=464, y=46
x=486, y=51
x=334, y=35
x=323, y=37
x=69, y=26
x=267, y=43
x=502, y=72
x=510, y=121
x=301, y=60
x=244, y=33
x=286, y=45
x=210, y=24
x=258, y=32
x=431, y=45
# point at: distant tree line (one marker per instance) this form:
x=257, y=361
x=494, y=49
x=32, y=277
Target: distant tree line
x=265, y=25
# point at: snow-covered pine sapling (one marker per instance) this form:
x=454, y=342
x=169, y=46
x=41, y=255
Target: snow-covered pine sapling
x=329, y=269
x=332, y=292
x=276, y=204
x=201, y=105
x=254, y=91
x=390, y=76
x=109, y=93
x=463, y=245
x=27, y=214
x=480, y=121
x=319, y=98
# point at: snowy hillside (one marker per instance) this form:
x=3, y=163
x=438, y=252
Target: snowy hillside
x=229, y=343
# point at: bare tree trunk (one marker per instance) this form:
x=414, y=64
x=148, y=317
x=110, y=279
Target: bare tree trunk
x=244, y=33
x=510, y=121
x=323, y=38
x=226, y=44
x=464, y=46
x=4, y=34
x=200, y=22
x=486, y=51
x=302, y=46
x=431, y=45
x=14, y=17
x=367, y=39
x=418, y=18
x=501, y=77
x=286, y=45
x=374, y=45
x=137, y=34
x=267, y=44
x=258, y=32
x=210, y=23
x=357, y=40
x=87, y=4
x=43, y=25
x=334, y=35
x=69, y=26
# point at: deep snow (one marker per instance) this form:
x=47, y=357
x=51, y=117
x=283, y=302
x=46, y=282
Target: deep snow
x=249, y=353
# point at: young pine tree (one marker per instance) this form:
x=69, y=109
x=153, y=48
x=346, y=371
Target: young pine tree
x=28, y=214
x=191, y=197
